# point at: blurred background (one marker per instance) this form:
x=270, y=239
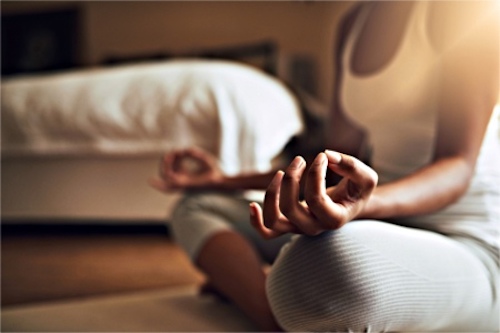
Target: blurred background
x=298, y=36
x=47, y=260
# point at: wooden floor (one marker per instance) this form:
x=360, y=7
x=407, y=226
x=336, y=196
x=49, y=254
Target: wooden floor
x=46, y=263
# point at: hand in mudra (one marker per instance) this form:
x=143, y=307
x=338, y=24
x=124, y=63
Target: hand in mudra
x=323, y=209
x=191, y=168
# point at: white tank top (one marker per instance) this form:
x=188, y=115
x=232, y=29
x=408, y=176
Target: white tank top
x=397, y=105
x=398, y=101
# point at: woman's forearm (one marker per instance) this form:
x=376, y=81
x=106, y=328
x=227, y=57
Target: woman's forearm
x=255, y=181
x=426, y=191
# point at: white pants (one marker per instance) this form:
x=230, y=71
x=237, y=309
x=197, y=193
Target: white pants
x=367, y=276
x=200, y=215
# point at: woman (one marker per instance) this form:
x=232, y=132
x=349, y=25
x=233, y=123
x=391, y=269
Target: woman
x=417, y=251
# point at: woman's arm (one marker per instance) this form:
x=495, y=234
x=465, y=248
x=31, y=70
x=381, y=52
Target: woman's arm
x=467, y=35
x=469, y=90
x=196, y=169
x=257, y=181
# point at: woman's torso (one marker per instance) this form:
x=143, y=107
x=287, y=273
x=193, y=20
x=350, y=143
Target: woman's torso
x=394, y=95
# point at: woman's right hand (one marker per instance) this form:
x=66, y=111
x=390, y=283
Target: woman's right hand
x=323, y=209
x=191, y=168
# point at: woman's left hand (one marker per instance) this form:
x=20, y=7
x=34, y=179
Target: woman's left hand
x=191, y=168
x=323, y=209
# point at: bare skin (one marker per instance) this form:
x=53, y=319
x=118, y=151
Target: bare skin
x=231, y=264
x=235, y=270
x=464, y=33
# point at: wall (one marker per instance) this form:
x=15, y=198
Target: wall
x=111, y=28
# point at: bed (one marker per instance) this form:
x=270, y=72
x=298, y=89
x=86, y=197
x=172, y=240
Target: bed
x=80, y=145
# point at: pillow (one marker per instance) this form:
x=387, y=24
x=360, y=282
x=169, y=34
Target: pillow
x=237, y=112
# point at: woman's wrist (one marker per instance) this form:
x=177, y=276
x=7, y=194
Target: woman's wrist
x=371, y=210
x=218, y=181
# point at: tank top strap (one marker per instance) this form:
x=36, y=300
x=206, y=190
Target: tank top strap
x=353, y=35
x=419, y=23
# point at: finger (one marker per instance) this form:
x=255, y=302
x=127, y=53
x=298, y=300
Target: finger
x=203, y=157
x=171, y=162
x=272, y=213
x=289, y=203
x=196, y=152
x=177, y=159
x=364, y=177
x=257, y=221
x=315, y=181
x=158, y=184
x=273, y=218
x=329, y=214
x=282, y=226
x=166, y=164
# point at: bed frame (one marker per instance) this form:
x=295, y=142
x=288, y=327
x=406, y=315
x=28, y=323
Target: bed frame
x=83, y=189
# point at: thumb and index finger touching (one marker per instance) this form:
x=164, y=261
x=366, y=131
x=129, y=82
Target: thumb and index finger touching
x=172, y=162
x=360, y=176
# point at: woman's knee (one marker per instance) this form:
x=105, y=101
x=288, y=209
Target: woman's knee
x=196, y=217
x=325, y=283
x=195, y=206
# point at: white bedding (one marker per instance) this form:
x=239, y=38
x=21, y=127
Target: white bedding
x=240, y=114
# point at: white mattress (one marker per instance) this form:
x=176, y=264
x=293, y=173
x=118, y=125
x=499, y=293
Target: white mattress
x=239, y=113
